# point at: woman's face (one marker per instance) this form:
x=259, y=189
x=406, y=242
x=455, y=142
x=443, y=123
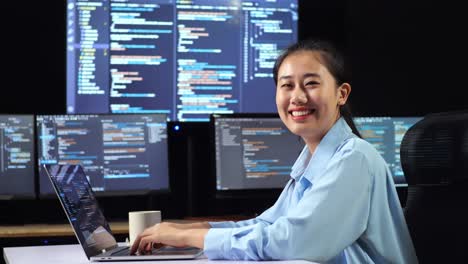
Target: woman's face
x=307, y=96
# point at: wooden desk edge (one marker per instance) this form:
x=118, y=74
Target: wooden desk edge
x=118, y=228
x=48, y=230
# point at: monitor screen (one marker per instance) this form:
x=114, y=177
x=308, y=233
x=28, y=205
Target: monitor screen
x=386, y=134
x=125, y=153
x=253, y=152
x=17, y=156
x=184, y=58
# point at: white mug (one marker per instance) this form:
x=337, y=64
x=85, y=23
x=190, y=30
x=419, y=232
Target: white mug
x=138, y=221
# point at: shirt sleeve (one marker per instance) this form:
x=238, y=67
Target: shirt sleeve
x=330, y=216
x=232, y=224
x=267, y=217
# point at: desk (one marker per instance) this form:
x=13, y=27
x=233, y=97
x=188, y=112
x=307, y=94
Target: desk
x=43, y=230
x=118, y=228
x=71, y=254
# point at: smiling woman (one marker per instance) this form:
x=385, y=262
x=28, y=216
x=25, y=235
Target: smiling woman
x=340, y=205
x=328, y=70
x=307, y=96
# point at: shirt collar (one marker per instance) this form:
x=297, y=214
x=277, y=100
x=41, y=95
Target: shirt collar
x=308, y=165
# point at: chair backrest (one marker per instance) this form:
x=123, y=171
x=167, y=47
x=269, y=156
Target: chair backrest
x=434, y=158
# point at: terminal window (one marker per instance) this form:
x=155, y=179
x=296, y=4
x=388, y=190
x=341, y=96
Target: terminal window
x=183, y=58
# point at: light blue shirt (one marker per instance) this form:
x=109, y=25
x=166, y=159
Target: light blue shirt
x=340, y=206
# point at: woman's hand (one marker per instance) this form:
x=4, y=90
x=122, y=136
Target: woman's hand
x=171, y=234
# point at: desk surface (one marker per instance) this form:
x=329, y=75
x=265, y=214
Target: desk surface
x=74, y=254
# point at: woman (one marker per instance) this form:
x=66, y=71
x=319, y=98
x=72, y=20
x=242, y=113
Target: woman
x=340, y=205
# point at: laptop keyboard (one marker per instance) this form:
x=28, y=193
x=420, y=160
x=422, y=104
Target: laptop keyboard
x=122, y=252
x=125, y=251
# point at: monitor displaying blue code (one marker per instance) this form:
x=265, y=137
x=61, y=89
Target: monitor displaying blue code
x=184, y=58
x=17, y=156
x=120, y=153
x=253, y=152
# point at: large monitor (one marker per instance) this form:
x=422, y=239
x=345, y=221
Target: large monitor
x=17, y=157
x=253, y=152
x=121, y=154
x=386, y=134
x=184, y=58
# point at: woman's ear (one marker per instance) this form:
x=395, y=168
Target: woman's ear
x=343, y=93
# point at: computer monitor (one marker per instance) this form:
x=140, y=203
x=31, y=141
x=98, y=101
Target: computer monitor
x=121, y=154
x=253, y=152
x=185, y=58
x=17, y=157
x=386, y=134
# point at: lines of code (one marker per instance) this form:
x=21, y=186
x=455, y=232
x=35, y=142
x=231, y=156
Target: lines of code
x=141, y=57
x=206, y=68
x=118, y=152
x=16, y=156
x=87, y=52
x=184, y=58
x=254, y=153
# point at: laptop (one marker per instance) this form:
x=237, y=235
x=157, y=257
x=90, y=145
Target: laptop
x=89, y=224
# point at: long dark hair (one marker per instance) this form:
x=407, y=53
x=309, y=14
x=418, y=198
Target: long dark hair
x=332, y=59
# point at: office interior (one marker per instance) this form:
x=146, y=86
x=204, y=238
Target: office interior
x=403, y=64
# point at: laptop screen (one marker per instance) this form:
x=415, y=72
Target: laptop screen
x=81, y=207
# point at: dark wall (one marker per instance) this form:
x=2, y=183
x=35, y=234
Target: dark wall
x=404, y=59
x=33, y=57
x=408, y=57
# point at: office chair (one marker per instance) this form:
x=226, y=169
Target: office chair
x=434, y=158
